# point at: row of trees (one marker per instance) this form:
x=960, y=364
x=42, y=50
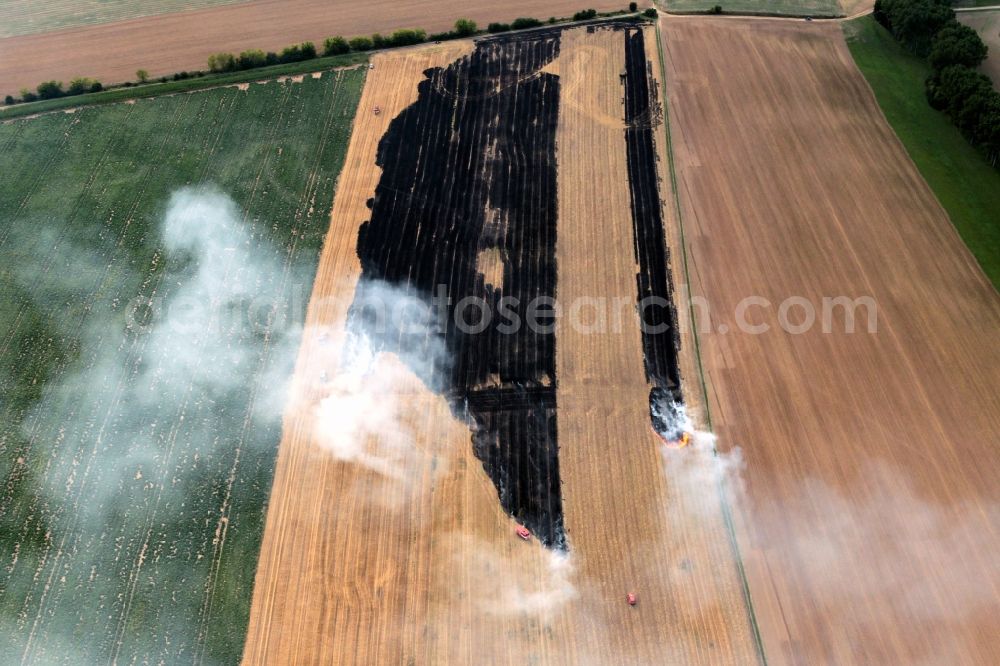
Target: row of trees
x=928, y=29
x=54, y=90
x=229, y=62
x=254, y=58
x=585, y=15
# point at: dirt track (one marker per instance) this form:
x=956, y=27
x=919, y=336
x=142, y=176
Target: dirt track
x=427, y=569
x=870, y=527
x=171, y=43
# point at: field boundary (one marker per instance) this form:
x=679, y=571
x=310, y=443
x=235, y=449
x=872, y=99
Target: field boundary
x=752, y=14
x=204, y=81
x=916, y=154
x=722, y=488
x=196, y=84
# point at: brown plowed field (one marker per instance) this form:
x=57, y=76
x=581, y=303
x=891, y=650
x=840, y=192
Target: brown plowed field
x=170, y=43
x=869, y=528
x=426, y=568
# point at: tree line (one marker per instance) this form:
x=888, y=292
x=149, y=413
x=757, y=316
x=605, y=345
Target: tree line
x=332, y=46
x=927, y=28
x=229, y=62
x=55, y=89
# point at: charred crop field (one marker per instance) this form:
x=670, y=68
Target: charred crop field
x=151, y=254
x=511, y=171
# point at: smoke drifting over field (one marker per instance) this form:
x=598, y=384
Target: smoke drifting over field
x=143, y=442
x=700, y=468
x=867, y=546
x=369, y=416
x=198, y=345
x=539, y=585
x=890, y=527
x=894, y=532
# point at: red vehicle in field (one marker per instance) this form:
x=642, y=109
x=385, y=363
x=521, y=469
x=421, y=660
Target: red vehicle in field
x=631, y=599
x=523, y=532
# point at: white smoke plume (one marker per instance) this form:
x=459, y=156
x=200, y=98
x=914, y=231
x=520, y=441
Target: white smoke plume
x=201, y=344
x=141, y=439
x=541, y=596
x=528, y=581
x=376, y=386
x=700, y=469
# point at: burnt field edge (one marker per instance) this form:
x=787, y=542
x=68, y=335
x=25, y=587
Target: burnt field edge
x=470, y=168
x=654, y=283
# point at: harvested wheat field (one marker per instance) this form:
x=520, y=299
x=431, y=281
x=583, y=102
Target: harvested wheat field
x=869, y=524
x=411, y=452
x=178, y=41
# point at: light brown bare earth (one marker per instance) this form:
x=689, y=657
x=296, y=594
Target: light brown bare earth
x=870, y=521
x=427, y=569
x=171, y=43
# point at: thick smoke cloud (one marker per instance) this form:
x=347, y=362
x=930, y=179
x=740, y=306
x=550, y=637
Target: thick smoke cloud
x=372, y=412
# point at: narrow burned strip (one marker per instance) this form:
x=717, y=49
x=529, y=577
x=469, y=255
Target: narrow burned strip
x=467, y=201
x=653, y=281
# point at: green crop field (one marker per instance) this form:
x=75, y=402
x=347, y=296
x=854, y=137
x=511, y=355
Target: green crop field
x=156, y=260
x=782, y=7
x=22, y=17
x=967, y=186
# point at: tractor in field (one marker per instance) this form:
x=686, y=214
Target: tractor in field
x=523, y=532
x=631, y=599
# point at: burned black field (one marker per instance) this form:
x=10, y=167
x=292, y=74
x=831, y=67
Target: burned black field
x=470, y=171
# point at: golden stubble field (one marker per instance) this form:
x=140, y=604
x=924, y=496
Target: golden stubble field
x=423, y=566
x=869, y=524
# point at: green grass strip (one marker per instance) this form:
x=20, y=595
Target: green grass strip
x=967, y=186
